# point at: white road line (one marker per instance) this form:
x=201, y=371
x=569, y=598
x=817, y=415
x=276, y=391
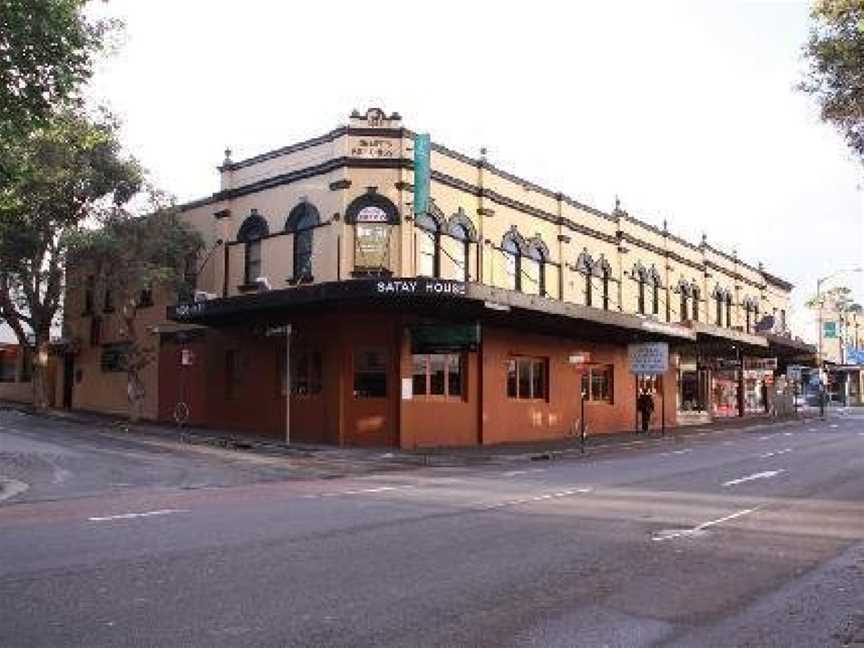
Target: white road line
x=760, y=475
x=668, y=535
x=680, y=452
x=813, y=430
x=536, y=498
x=775, y=453
x=514, y=473
x=11, y=487
x=767, y=436
x=129, y=516
x=833, y=425
x=787, y=434
x=359, y=491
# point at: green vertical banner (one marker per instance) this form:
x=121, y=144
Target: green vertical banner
x=422, y=171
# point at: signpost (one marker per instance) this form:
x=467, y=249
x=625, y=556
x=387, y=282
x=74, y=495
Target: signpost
x=650, y=359
x=422, y=172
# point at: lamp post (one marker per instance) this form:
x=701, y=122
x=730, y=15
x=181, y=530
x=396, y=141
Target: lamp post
x=819, y=283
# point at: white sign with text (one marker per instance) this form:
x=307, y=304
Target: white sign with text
x=650, y=358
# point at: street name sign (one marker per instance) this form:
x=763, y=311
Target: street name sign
x=649, y=358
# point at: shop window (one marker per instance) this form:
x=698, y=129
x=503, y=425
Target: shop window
x=302, y=222
x=114, y=357
x=370, y=373
x=428, y=246
x=597, y=383
x=306, y=372
x=437, y=374
x=527, y=378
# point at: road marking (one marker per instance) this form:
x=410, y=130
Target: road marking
x=787, y=434
x=833, y=425
x=765, y=437
x=359, y=491
x=760, y=475
x=514, y=473
x=680, y=452
x=536, y=498
x=129, y=516
x=668, y=535
x=775, y=453
x=11, y=487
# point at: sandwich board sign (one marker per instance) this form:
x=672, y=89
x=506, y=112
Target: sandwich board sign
x=650, y=358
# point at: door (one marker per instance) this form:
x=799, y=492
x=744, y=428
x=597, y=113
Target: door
x=371, y=384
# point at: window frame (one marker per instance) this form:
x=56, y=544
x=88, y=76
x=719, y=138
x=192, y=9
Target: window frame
x=426, y=360
x=532, y=362
x=385, y=372
x=587, y=380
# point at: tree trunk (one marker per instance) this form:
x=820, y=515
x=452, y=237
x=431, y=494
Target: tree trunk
x=135, y=392
x=42, y=383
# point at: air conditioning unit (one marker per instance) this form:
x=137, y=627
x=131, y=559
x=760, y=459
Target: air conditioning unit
x=201, y=296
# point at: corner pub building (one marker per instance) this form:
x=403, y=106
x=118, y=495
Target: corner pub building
x=478, y=322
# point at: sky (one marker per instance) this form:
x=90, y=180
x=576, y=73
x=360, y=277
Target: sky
x=686, y=110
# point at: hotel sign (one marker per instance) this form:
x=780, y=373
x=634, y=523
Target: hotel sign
x=373, y=147
x=441, y=287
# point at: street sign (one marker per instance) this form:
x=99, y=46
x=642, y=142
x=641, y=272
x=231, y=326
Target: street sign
x=650, y=358
x=422, y=171
x=579, y=358
x=855, y=356
x=829, y=329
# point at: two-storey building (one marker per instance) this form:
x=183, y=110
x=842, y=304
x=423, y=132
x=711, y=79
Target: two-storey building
x=328, y=311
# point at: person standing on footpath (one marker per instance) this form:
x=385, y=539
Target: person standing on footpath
x=645, y=406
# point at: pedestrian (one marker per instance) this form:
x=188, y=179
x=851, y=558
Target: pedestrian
x=645, y=406
x=822, y=398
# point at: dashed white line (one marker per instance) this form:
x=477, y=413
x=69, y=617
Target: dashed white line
x=536, y=498
x=514, y=473
x=129, y=516
x=668, y=535
x=775, y=453
x=760, y=475
x=680, y=452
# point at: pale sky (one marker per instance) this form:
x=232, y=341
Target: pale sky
x=687, y=110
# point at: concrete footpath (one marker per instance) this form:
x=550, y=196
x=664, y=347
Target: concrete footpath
x=570, y=447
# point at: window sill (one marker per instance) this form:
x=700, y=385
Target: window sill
x=371, y=272
x=248, y=287
x=300, y=281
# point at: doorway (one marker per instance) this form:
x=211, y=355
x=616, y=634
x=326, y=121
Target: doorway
x=68, y=379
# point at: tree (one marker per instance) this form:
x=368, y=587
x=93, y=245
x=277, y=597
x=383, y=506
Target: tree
x=835, y=53
x=72, y=174
x=837, y=299
x=47, y=49
x=135, y=257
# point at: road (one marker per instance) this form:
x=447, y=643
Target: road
x=745, y=538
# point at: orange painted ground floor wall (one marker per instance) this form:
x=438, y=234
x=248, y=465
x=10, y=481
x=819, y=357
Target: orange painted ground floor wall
x=355, y=381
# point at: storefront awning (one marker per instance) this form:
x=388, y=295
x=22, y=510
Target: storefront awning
x=711, y=333
x=433, y=298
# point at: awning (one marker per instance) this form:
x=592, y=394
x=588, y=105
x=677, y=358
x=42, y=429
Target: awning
x=711, y=333
x=434, y=298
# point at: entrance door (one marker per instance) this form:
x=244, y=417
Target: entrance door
x=68, y=379
x=372, y=390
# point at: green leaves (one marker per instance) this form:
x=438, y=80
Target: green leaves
x=835, y=53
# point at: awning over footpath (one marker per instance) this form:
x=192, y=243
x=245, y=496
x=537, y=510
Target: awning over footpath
x=433, y=298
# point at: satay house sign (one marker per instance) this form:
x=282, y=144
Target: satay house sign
x=650, y=358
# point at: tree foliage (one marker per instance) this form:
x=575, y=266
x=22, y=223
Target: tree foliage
x=835, y=53
x=47, y=49
x=134, y=257
x=71, y=175
x=839, y=299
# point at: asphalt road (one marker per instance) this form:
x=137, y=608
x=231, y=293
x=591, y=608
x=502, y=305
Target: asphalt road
x=747, y=538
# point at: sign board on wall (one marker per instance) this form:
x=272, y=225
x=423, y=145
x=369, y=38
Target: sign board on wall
x=422, y=171
x=829, y=329
x=579, y=358
x=650, y=358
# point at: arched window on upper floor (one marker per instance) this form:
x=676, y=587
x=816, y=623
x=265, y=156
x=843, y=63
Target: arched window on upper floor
x=585, y=265
x=372, y=216
x=428, y=245
x=695, y=292
x=534, y=266
x=686, y=294
x=605, y=271
x=253, y=229
x=302, y=222
x=513, y=249
x=719, y=296
x=657, y=286
x=462, y=232
x=728, y=309
x=641, y=275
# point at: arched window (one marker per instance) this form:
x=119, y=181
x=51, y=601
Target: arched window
x=606, y=272
x=372, y=216
x=684, y=307
x=302, y=222
x=428, y=246
x=462, y=256
x=253, y=229
x=534, y=270
x=655, y=305
x=641, y=276
x=585, y=265
x=728, y=310
x=695, y=292
x=512, y=251
x=719, y=298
